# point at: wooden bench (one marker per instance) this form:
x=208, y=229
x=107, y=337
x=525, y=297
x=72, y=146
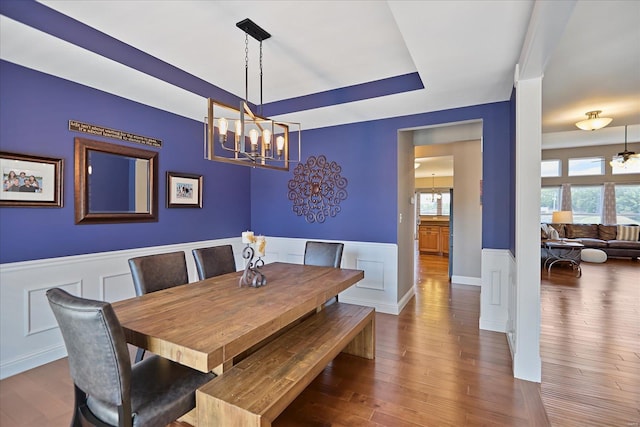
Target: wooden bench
x=256, y=390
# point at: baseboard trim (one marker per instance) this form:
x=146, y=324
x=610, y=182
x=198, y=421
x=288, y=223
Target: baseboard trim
x=466, y=280
x=30, y=361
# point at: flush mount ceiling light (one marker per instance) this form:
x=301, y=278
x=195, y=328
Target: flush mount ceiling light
x=255, y=140
x=594, y=121
x=626, y=159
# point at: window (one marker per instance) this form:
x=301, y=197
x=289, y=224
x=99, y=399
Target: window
x=586, y=204
x=549, y=202
x=431, y=206
x=628, y=203
x=445, y=203
x=550, y=168
x=586, y=166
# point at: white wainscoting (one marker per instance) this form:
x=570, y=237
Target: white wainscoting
x=497, y=277
x=29, y=336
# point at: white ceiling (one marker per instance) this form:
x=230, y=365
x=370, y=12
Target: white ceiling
x=465, y=53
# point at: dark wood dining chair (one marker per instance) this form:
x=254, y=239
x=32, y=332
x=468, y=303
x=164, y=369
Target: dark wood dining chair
x=214, y=261
x=156, y=272
x=323, y=254
x=109, y=391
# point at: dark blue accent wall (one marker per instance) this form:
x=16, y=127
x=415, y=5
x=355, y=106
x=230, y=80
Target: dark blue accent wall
x=367, y=153
x=35, y=109
x=34, y=112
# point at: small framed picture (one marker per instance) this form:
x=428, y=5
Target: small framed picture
x=184, y=190
x=30, y=181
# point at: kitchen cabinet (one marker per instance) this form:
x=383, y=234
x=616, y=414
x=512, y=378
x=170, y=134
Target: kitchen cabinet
x=444, y=239
x=429, y=239
x=433, y=237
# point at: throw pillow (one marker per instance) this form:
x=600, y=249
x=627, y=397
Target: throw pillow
x=559, y=228
x=544, y=232
x=582, y=231
x=629, y=232
x=607, y=232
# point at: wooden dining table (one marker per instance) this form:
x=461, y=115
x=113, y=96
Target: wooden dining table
x=206, y=324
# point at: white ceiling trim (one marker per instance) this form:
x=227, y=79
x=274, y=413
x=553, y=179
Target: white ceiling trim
x=31, y=48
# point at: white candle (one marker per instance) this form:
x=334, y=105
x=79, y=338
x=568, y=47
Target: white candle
x=261, y=244
x=247, y=237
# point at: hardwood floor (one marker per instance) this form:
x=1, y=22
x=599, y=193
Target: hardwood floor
x=590, y=344
x=433, y=366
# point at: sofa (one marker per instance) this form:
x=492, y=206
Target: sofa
x=620, y=241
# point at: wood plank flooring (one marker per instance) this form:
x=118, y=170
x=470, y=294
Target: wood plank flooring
x=590, y=344
x=434, y=367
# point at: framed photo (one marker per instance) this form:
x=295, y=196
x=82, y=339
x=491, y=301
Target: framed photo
x=30, y=180
x=184, y=190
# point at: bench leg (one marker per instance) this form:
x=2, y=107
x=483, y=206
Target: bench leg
x=213, y=412
x=219, y=370
x=190, y=417
x=364, y=344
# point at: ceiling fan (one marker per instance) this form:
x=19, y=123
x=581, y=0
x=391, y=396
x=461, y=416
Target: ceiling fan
x=626, y=158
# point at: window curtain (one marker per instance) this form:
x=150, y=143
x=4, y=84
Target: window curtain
x=565, y=204
x=609, y=204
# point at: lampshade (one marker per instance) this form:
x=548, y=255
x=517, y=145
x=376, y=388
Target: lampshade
x=562, y=217
x=594, y=121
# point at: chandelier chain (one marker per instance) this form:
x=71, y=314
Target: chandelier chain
x=260, y=77
x=246, y=67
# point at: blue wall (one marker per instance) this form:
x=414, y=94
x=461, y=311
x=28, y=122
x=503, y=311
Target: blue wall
x=367, y=153
x=34, y=112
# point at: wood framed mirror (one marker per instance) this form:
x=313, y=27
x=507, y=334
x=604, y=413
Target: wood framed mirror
x=114, y=183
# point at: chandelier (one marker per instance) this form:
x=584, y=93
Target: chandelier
x=594, y=121
x=626, y=159
x=434, y=196
x=253, y=140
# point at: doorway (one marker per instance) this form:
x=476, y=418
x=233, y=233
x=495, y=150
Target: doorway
x=461, y=145
x=433, y=195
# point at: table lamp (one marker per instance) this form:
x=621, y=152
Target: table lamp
x=562, y=217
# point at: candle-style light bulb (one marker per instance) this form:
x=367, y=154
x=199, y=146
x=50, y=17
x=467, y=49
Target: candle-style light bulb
x=253, y=137
x=223, y=126
x=266, y=137
x=280, y=144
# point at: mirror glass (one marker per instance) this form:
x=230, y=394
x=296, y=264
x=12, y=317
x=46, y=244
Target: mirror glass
x=114, y=183
x=117, y=183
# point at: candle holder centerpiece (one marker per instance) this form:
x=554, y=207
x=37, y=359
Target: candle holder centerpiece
x=254, y=246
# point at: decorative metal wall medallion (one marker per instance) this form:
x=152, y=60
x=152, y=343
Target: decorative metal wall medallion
x=317, y=188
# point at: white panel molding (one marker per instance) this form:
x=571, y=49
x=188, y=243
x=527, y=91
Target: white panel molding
x=494, y=293
x=29, y=336
x=120, y=283
x=374, y=279
x=511, y=311
x=37, y=315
